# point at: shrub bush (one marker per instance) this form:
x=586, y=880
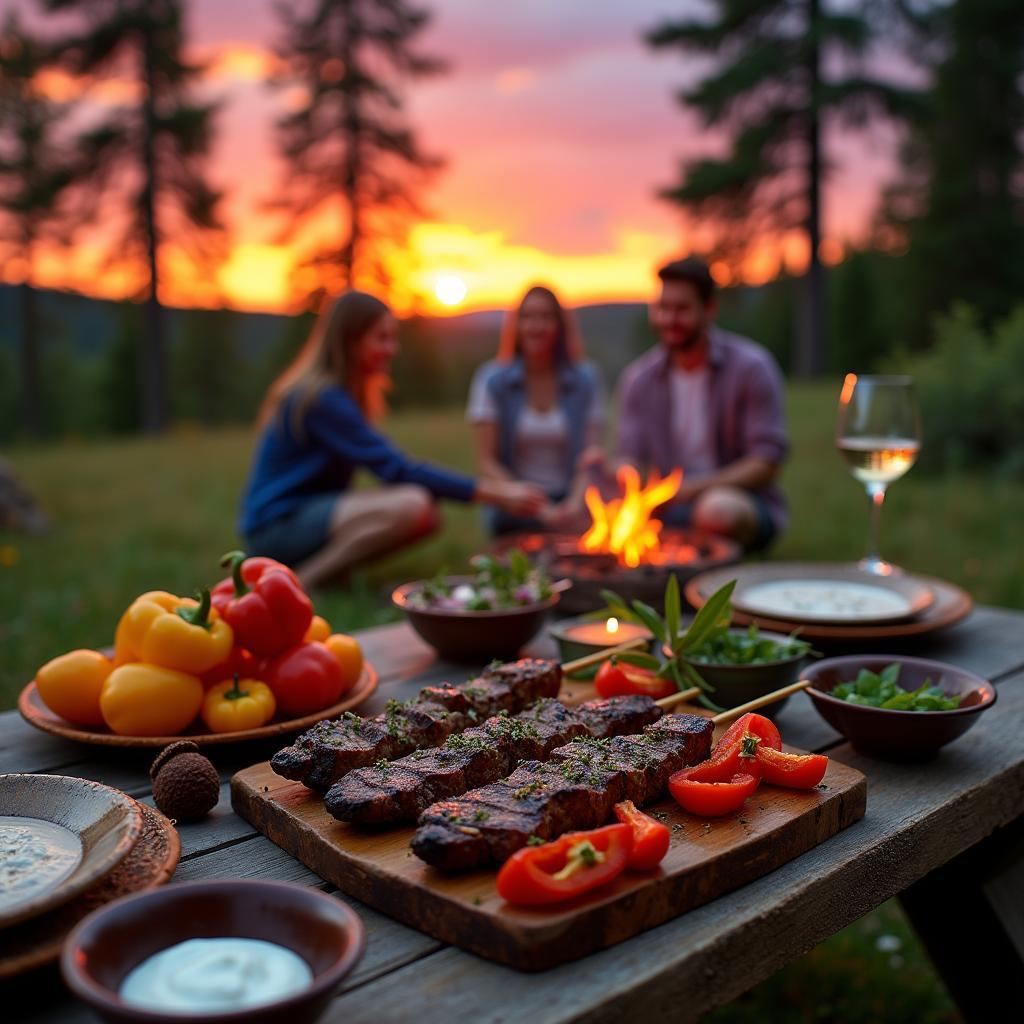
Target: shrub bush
x=971, y=389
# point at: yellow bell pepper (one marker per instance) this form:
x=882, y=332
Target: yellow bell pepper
x=232, y=705
x=319, y=629
x=161, y=629
x=150, y=700
x=70, y=685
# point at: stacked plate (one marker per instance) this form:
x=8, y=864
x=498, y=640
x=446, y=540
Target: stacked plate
x=66, y=846
x=830, y=602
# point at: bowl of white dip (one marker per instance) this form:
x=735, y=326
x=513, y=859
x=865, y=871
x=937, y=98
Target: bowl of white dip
x=217, y=951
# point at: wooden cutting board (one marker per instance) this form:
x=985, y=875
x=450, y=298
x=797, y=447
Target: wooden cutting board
x=706, y=859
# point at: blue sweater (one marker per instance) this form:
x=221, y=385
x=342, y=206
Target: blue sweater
x=336, y=439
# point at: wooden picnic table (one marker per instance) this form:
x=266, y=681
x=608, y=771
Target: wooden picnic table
x=945, y=836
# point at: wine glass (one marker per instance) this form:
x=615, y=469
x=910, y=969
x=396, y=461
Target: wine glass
x=879, y=434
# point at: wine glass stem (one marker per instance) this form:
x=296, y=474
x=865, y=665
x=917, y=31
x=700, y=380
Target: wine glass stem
x=876, y=495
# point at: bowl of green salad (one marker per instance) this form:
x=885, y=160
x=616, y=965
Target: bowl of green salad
x=897, y=708
x=489, y=614
x=740, y=665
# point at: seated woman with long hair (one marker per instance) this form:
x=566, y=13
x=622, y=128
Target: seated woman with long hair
x=537, y=409
x=316, y=432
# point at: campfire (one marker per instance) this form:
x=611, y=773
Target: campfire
x=623, y=526
x=623, y=548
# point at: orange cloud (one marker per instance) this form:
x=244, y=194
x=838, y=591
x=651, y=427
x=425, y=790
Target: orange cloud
x=60, y=87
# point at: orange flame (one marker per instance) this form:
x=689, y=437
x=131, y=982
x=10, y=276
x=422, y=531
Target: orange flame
x=623, y=527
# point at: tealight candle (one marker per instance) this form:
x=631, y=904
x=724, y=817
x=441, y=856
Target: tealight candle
x=605, y=634
x=578, y=639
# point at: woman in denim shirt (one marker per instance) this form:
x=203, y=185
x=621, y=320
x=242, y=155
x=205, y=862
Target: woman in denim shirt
x=317, y=430
x=536, y=410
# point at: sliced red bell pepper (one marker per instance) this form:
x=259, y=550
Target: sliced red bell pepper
x=712, y=799
x=617, y=679
x=569, y=866
x=750, y=724
x=796, y=771
x=650, y=836
x=304, y=679
x=264, y=604
x=738, y=759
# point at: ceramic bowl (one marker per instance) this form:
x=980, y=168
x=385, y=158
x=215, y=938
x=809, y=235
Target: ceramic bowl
x=474, y=636
x=737, y=684
x=111, y=941
x=104, y=823
x=898, y=735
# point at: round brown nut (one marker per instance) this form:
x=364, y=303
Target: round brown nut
x=171, y=750
x=186, y=787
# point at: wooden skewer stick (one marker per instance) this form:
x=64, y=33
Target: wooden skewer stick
x=678, y=698
x=762, y=701
x=597, y=657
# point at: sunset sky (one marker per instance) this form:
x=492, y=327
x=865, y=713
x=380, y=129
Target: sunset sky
x=558, y=125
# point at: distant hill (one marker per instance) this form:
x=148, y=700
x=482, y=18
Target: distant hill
x=87, y=326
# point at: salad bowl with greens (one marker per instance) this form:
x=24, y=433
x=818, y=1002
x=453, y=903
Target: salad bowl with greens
x=489, y=614
x=731, y=665
x=896, y=707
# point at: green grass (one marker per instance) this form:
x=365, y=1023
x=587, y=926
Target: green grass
x=139, y=514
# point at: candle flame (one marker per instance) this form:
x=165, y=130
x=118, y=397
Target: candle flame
x=612, y=625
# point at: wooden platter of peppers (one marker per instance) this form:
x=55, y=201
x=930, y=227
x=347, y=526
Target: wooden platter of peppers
x=747, y=810
x=245, y=660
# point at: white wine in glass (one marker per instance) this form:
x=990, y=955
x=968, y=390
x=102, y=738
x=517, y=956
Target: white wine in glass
x=878, y=433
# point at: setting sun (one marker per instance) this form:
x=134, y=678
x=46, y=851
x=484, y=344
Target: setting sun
x=450, y=290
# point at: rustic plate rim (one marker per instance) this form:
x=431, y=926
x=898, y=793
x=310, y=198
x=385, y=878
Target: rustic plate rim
x=33, y=711
x=931, y=620
x=85, y=873
x=846, y=573
x=161, y=874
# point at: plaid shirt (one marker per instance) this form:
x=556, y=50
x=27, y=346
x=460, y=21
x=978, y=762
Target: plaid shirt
x=746, y=401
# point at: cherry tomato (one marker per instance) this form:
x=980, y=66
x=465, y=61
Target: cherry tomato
x=617, y=679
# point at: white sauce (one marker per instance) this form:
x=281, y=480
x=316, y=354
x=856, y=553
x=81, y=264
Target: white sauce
x=835, y=599
x=215, y=975
x=35, y=855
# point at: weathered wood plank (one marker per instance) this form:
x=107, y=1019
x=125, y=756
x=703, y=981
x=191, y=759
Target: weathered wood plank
x=919, y=817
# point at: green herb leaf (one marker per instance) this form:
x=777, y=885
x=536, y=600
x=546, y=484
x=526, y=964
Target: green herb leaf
x=716, y=614
x=640, y=659
x=673, y=610
x=650, y=618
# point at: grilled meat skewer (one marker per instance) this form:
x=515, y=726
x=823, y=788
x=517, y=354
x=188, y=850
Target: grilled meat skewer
x=576, y=789
x=323, y=754
x=394, y=791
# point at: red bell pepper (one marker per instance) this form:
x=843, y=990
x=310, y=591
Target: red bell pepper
x=796, y=771
x=304, y=679
x=238, y=663
x=616, y=679
x=712, y=799
x=569, y=866
x=650, y=837
x=750, y=724
x=264, y=603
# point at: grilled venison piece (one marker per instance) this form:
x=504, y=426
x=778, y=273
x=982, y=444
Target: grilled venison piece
x=576, y=789
x=323, y=754
x=393, y=791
